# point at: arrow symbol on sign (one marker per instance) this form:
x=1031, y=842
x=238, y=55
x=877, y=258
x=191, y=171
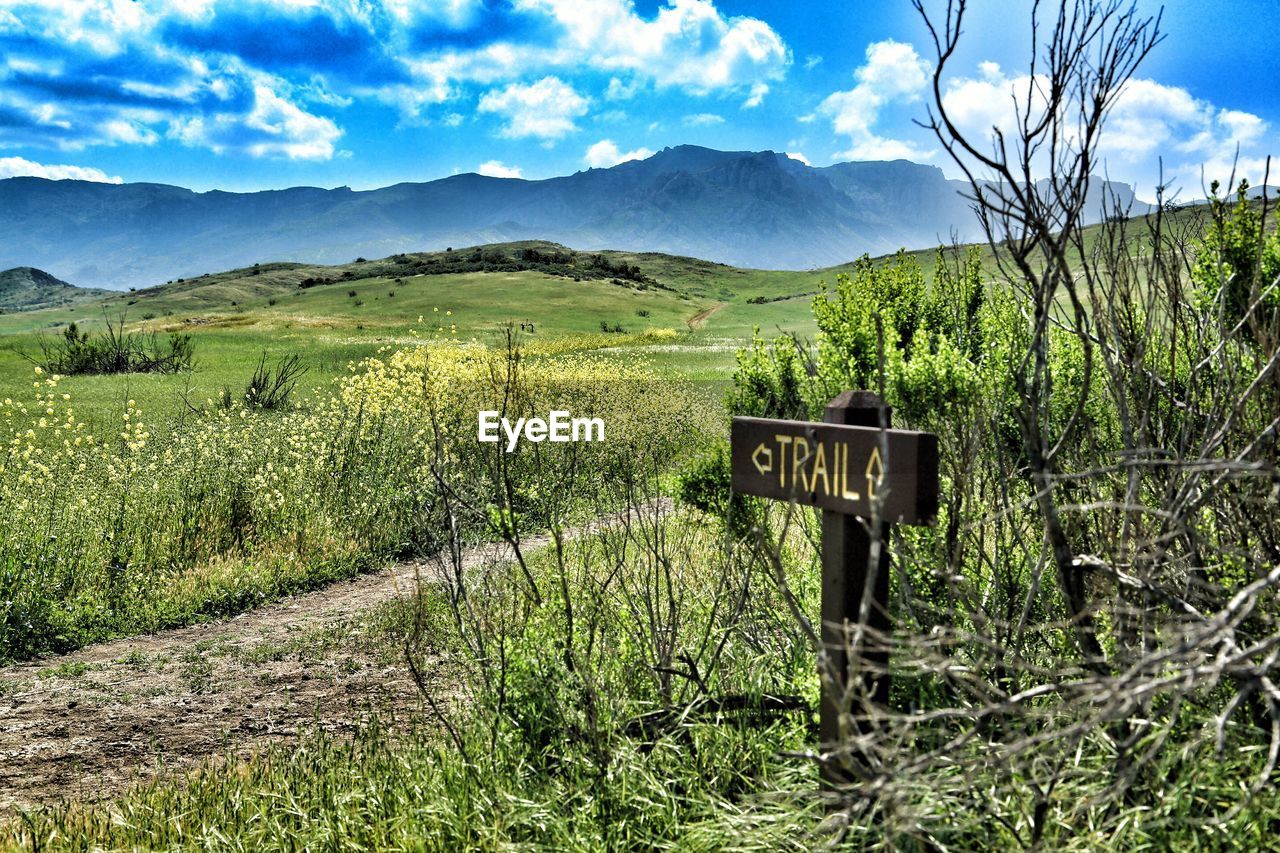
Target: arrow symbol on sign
x=766, y=466
x=875, y=472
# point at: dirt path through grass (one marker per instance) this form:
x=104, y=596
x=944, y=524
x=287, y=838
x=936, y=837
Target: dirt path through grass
x=697, y=321
x=85, y=724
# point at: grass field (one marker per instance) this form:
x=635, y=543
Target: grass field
x=235, y=316
x=690, y=330
x=599, y=645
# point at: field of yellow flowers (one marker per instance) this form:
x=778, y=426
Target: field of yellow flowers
x=139, y=527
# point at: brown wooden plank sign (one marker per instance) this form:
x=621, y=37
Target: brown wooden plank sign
x=837, y=467
x=846, y=465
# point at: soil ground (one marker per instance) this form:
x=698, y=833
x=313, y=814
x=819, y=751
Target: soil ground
x=86, y=724
x=697, y=321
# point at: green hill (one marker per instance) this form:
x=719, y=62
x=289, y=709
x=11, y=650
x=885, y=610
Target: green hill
x=30, y=289
x=557, y=289
x=684, y=316
x=531, y=280
x=681, y=315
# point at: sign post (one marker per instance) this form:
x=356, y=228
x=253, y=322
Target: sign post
x=847, y=465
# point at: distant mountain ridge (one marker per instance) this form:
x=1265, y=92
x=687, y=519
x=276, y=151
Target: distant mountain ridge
x=752, y=209
x=28, y=289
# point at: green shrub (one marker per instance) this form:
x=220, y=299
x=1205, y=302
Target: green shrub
x=1237, y=263
x=115, y=351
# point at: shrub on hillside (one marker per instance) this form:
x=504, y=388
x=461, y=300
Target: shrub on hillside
x=114, y=351
x=269, y=389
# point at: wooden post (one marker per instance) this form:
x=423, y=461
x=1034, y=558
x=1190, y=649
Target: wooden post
x=846, y=556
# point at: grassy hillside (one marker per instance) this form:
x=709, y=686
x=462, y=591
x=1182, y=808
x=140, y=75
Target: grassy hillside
x=686, y=317
x=500, y=288
x=30, y=289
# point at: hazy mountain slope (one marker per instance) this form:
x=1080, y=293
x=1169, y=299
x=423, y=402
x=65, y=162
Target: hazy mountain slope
x=757, y=209
x=29, y=289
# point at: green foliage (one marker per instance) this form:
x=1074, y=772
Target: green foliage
x=927, y=350
x=771, y=380
x=703, y=483
x=272, y=389
x=493, y=259
x=149, y=527
x=934, y=375
x=1237, y=260
x=114, y=351
x=933, y=352
x=922, y=348
x=1072, y=439
x=543, y=753
x=387, y=789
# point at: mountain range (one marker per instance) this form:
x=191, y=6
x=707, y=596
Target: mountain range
x=751, y=209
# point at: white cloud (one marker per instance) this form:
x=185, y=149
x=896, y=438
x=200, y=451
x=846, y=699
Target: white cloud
x=982, y=103
x=456, y=13
x=103, y=28
x=12, y=167
x=702, y=120
x=1148, y=121
x=688, y=43
x=288, y=130
x=880, y=148
x=126, y=132
x=180, y=58
x=756, y=98
x=1242, y=127
x=495, y=169
x=605, y=153
x=621, y=91
x=546, y=109
x=127, y=85
x=811, y=62
x=893, y=73
x=273, y=127
x=796, y=155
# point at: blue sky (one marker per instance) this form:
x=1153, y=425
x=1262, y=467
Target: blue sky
x=248, y=94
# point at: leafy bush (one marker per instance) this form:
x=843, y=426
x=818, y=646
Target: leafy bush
x=1104, y=464
x=114, y=351
x=1238, y=264
x=271, y=389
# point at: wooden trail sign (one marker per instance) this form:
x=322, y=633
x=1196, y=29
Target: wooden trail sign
x=838, y=467
x=844, y=465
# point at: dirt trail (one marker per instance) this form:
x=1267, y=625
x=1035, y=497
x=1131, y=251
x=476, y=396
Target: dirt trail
x=85, y=724
x=697, y=321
